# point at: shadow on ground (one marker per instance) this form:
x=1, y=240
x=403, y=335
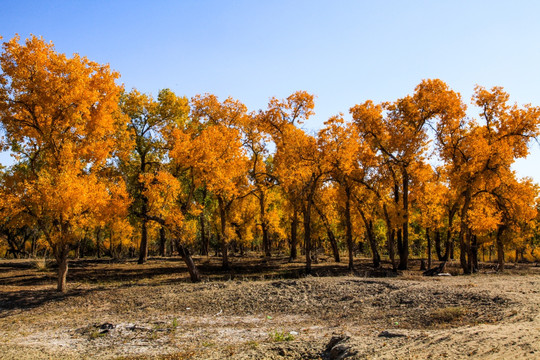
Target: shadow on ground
x=29, y=299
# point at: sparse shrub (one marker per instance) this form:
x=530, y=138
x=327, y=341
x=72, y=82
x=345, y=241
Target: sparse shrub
x=96, y=333
x=447, y=314
x=252, y=344
x=40, y=264
x=281, y=336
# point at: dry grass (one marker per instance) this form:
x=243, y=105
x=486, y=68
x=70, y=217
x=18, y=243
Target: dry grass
x=448, y=314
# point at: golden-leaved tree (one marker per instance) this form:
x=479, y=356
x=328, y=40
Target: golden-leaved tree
x=299, y=162
x=60, y=118
x=478, y=158
x=213, y=154
x=397, y=131
x=342, y=151
x=150, y=120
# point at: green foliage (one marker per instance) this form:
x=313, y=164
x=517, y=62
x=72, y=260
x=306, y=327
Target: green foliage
x=279, y=336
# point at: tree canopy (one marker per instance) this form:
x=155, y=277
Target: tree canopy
x=101, y=169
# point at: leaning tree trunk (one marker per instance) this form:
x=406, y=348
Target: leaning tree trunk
x=371, y=239
x=192, y=268
x=330, y=233
x=333, y=244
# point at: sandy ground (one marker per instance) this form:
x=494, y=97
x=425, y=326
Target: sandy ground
x=160, y=315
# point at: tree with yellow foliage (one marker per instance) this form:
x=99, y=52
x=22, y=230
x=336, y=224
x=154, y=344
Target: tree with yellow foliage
x=398, y=132
x=478, y=156
x=150, y=121
x=256, y=142
x=60, y=117
x=429, y=196
x=215, y=156
x=299, y=165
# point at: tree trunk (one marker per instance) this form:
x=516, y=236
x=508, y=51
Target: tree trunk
x=118, y=251
x=348, y=228
x=448, y=247
x=438, y=247
x=307, y=235
x=404, y=251
x=204, y=238
x=34, y=245
x=98, y=242
x=399, y=241
x=428, y=249
x=225, y=264
x=192, y=268
x=500, y=248
x=371, y=238
x=224, y=243
x=464, y=241
x=171, y=248
x=334, y=245
x=264, y=226
x=143, y=250
x=474, y=254
x=449, y=244
x=330, y=233
x=162, y=241
x=373, y=245
x=294, y=236
x=464, y=251
x=62, y=260
x=390, y=236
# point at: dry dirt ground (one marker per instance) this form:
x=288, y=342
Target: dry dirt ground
x=265, y=310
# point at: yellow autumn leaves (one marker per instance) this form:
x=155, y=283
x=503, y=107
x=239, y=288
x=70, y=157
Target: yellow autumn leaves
x=92, y=155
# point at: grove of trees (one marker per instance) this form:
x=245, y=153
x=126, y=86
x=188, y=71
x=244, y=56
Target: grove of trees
x=100, y=170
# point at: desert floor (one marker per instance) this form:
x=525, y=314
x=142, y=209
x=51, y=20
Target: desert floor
x=266, y=310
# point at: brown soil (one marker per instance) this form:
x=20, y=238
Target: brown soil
x=265, y=310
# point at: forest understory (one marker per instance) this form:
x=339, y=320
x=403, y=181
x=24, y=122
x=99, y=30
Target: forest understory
x=266, y=309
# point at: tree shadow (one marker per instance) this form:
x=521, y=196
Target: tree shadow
x=30, y=299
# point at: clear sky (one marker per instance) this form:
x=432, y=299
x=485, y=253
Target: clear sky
x=344, y=52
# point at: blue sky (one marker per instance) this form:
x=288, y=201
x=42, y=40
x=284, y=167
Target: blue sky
x=344, y=52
